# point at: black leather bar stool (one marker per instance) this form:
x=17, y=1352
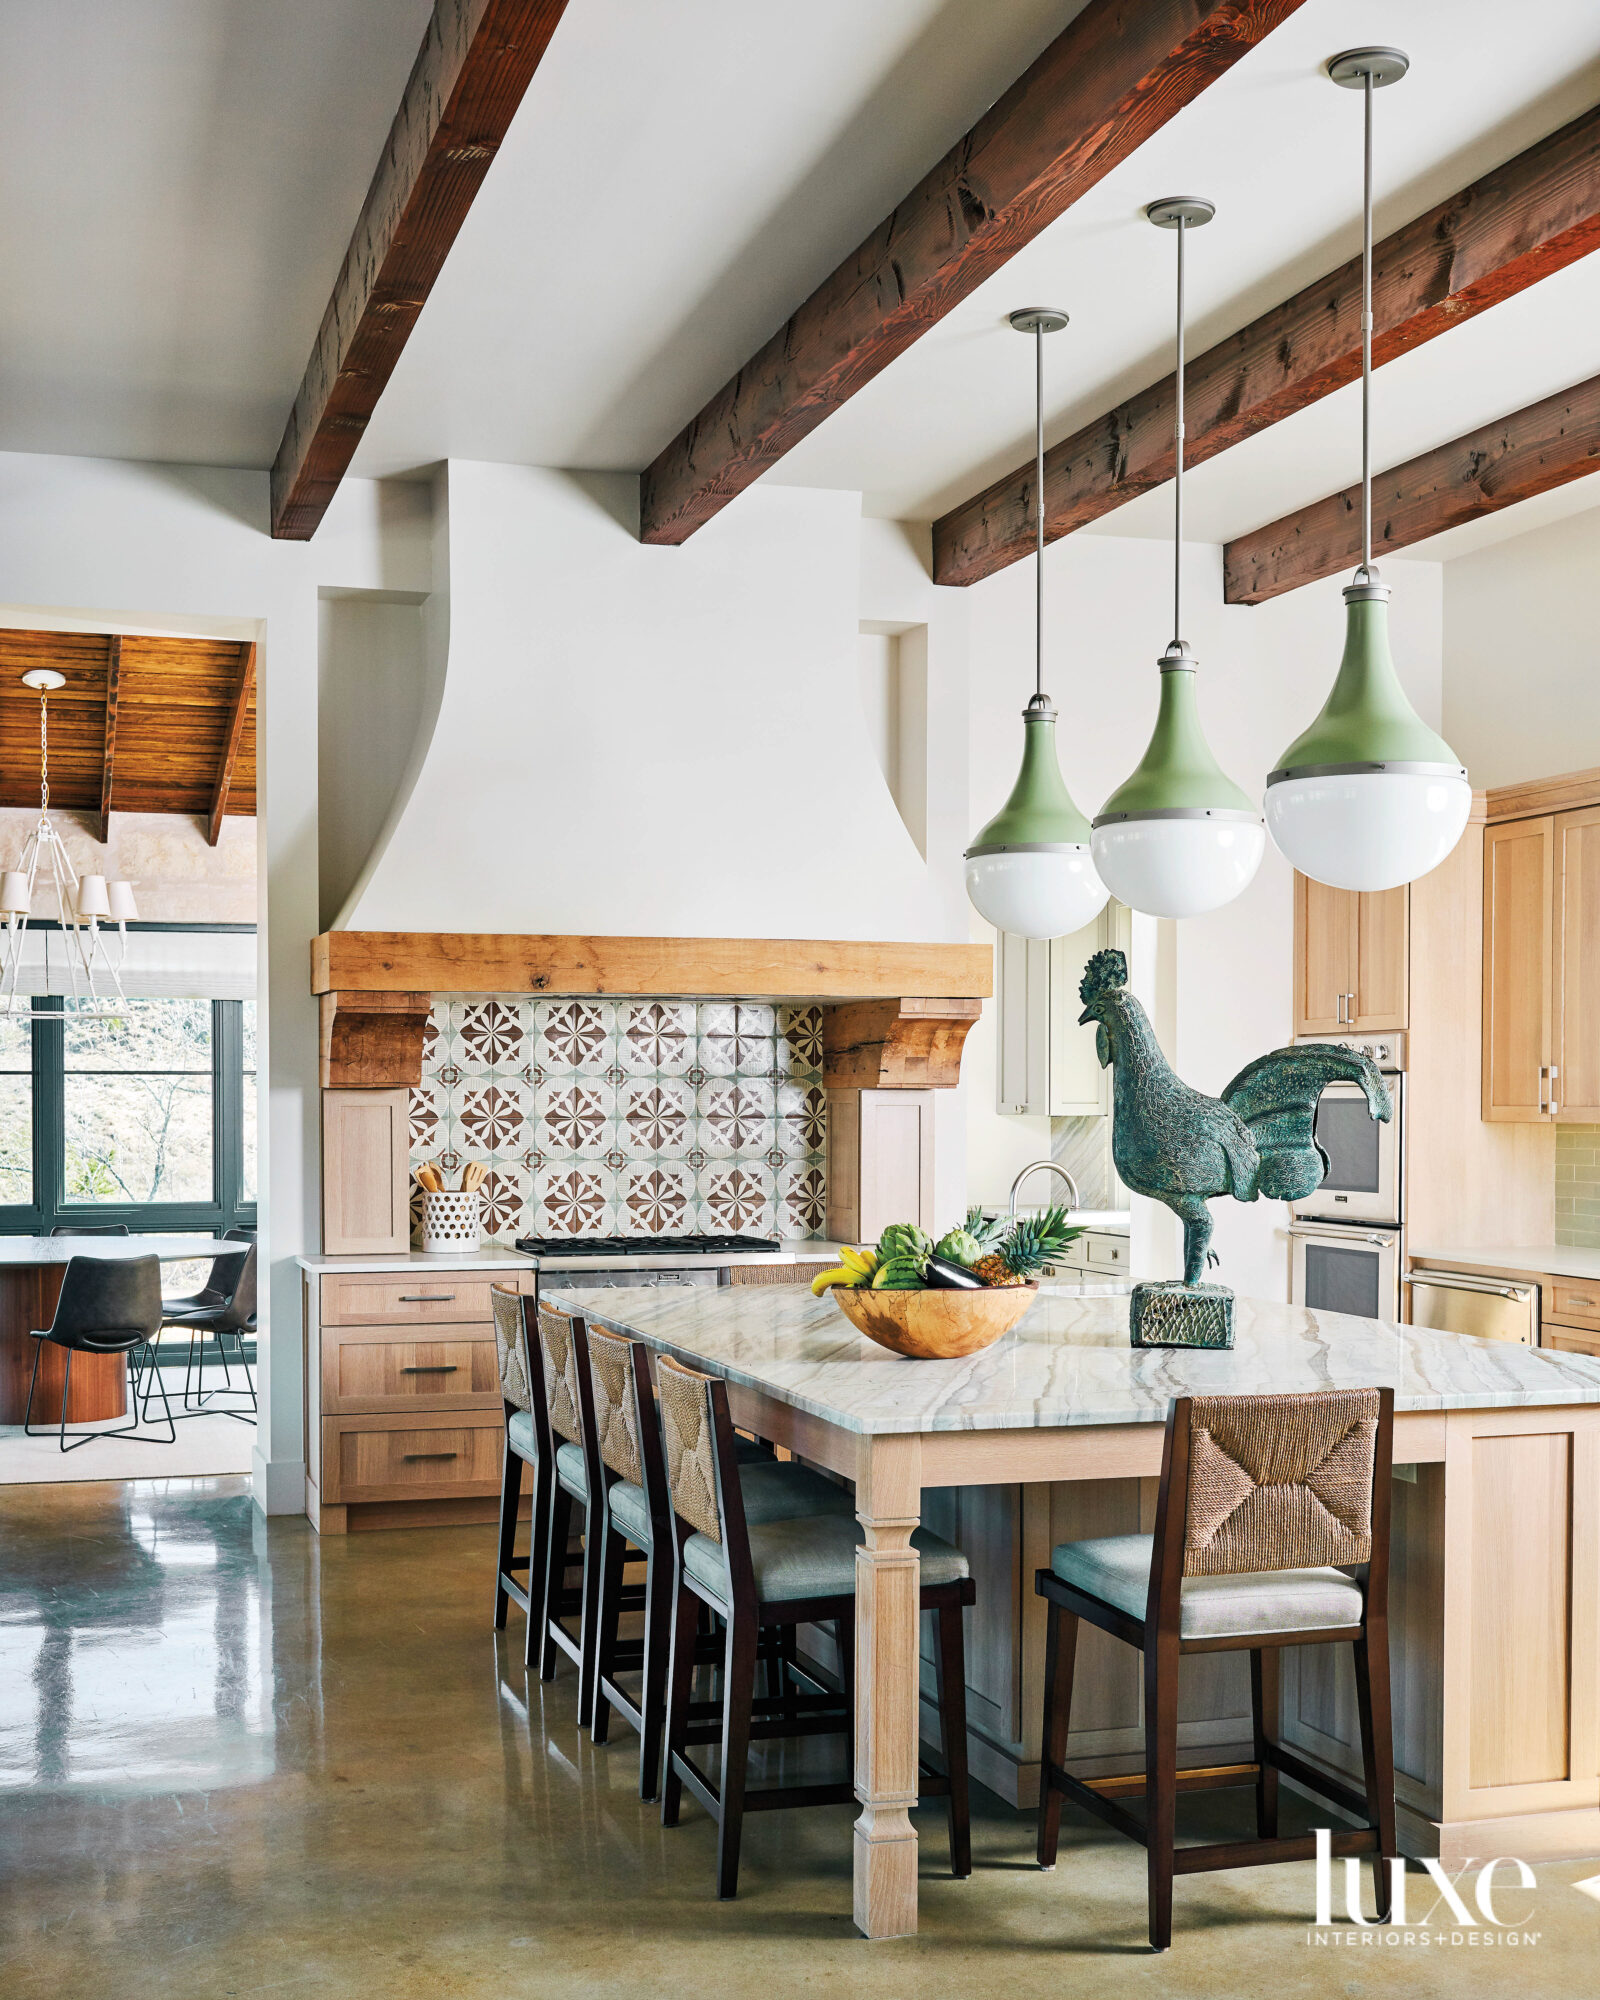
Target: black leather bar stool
x=781, y=1573
x=108, y=1305
x=1272, y=1530
x=626, y=1469
x=225, y=1310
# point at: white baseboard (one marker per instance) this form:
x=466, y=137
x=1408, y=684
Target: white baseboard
x=278, y=1484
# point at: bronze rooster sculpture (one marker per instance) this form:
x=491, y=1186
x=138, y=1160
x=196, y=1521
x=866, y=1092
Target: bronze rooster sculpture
x=1181, y=1148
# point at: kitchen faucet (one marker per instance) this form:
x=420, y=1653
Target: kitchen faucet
x=1044, y=1167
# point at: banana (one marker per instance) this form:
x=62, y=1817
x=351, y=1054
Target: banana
x=826, y=1280
x=865, y=1262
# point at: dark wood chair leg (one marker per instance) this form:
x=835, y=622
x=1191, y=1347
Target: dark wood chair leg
x=589, y=1614
x=738, y=1694
x=1060, y=1656
x=950, y=1661
x=608, y=1617
x=653, y=1687
x=1377, y=1750
x=680, y=1690
x=1161, y=1779
x=1264, y=1711
x=844, y=1635
x=555, y=1574
x=538, y=1567
x=510, y=1500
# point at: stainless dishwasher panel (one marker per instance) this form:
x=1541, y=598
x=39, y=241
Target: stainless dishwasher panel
x=1490, y=1308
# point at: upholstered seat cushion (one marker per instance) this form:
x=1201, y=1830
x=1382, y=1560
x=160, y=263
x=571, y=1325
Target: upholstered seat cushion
x=813, y=1556
x=519, y=1435
x=571, y=1471
x=1116, y=1569
x=773, y=1491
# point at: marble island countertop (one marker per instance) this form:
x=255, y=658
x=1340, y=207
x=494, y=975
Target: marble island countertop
x=1069, y=1362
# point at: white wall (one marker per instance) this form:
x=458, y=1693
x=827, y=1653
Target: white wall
x=131, y=547
x=1264, y=672
x=1521, y=635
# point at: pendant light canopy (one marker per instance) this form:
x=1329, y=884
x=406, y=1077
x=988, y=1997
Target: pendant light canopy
x=1368, y=797
x=1030, y=871
x=1179, y=837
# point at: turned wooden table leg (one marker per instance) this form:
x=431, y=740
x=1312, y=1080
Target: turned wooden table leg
x=888, y=1581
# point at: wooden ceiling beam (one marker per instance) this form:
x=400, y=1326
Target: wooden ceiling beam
x=476, y=60
x=1534, y=215
x=1546, y=445
x=1115, y=75
x=113, y=676
x=234, y=736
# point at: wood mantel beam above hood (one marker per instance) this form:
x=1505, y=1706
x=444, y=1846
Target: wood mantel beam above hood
x=707, y=968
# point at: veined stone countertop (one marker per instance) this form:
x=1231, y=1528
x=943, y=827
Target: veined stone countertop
x=1069, y=1361
x=491, y=1260
x=1557, y=1260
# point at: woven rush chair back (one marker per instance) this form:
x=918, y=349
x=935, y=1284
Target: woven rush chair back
x=511, y=1350
x=702, y=1465
x=1273, y=1482
x=614, y=1376
x=558, y=1352
x=108, y=1304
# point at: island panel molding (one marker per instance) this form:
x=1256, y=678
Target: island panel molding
x=1515, y=225
x=707, y=968
x=1115, y=75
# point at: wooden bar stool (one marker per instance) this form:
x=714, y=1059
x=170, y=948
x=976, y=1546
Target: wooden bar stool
x=569, y=1411
x=627, y=1470
x=781, y=1573
x=1272, y=1530
x=527, y=1444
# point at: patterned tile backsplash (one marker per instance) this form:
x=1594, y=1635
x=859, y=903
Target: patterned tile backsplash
x=628, y=1117
x=1578, y=1185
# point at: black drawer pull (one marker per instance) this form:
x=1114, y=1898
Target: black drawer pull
x=432, y=1368
x=427, y=1298
x=412, y=1457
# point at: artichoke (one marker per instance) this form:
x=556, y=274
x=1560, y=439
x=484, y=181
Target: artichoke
x=904, y=1239
x=959, y=1246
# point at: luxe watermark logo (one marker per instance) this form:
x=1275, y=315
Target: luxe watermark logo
x=1482, y=1905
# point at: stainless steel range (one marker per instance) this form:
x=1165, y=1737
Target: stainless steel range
x=585, y=1263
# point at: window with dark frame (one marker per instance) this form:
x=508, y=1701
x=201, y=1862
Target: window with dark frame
x=148, y=1120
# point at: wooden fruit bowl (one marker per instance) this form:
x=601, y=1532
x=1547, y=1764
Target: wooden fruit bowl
x=935, y=1325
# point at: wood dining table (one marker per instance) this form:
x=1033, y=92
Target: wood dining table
x=1495, y=1606
x=31, y=1272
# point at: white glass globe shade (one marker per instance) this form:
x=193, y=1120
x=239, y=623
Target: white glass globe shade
x=1178, y=867
x=1036, y=895
x=1368, y=829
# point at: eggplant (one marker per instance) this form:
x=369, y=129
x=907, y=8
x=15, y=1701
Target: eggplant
x=945, y=1273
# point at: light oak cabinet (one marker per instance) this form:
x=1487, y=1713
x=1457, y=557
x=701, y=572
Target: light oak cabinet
x=1350, y=959
x=880, y=1162
x=1541, y=970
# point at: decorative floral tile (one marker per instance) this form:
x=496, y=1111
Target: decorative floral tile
x=802, y=1118
x=803, y=1200
x=655, y=1037
x=800, y=1037
x=492, y=1034
x=576, y=1115
x=655, y=1198
x=736, y=1116
x=492, y=1116
x=430, y=1116
x=657, y=1115
x=574, y=1200
x=737, y=1196
x=506, y=1207
x=576, y=1035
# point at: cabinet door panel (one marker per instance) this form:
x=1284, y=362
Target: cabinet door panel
x=1518, y=944
x=1577, y=959
x=1326, y=936
x=1381, y=958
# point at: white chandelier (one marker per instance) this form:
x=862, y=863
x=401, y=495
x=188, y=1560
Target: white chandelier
x=93, y=976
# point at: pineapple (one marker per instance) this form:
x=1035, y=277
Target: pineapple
x=1026, y=1248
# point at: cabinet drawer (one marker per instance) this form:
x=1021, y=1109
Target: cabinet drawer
x=1570, y=1339
x=438, y=1456
x=382, y=1369
x=1107, y=1253
x=1579, y=1303
x=386, y=1300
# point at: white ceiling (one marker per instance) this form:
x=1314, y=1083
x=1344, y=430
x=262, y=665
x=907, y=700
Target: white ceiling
x=184, y=175
x=181, y=180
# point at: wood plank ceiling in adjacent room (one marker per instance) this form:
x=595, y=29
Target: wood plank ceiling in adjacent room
x=143, y=725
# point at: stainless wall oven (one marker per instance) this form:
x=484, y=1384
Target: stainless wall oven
x=1365, y=1156
x=1334, y=1267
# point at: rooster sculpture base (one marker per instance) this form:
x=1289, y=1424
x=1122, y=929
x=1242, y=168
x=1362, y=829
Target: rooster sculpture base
x=1182, y=1148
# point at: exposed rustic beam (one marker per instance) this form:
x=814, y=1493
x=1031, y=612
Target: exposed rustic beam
x=905, y=1044
x=1108, y=81
x=1546, y=445
x=475, y=62
x=1537, y=213
x=113, y=677
x=228, y=760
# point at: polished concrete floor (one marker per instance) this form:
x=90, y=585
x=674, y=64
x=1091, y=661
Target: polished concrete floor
x=237, y=1760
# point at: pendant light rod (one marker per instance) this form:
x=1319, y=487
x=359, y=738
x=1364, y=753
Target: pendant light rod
x=1038, y=320
x=1182, y=213
x=1367, y=70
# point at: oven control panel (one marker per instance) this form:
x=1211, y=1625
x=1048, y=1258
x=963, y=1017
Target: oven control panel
x=1387, y=1051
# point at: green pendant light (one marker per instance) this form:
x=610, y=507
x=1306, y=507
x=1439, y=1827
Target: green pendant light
x=1179, y=837
x=1368, y=797
x=1030, y=870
